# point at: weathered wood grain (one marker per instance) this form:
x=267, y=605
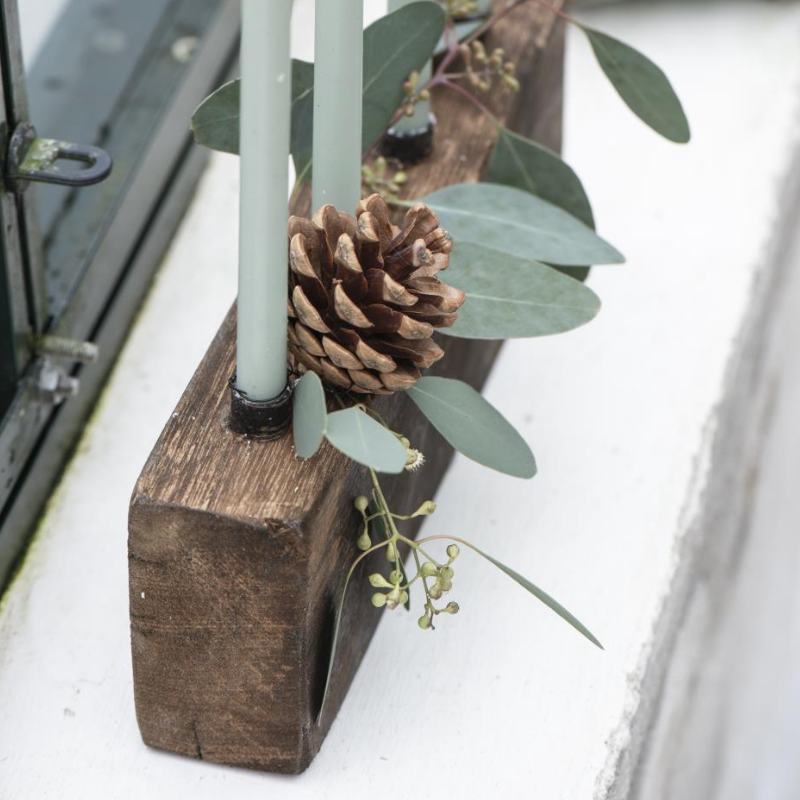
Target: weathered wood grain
x=240, y=548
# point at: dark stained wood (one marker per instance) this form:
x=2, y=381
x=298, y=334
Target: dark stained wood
x=237, y=549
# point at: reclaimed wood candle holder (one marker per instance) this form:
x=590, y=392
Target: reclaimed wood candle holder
x=238, y=549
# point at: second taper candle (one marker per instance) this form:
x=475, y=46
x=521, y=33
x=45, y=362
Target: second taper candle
x=338, y=81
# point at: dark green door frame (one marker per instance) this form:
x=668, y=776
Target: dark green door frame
x=18, y=319
x=103, y=244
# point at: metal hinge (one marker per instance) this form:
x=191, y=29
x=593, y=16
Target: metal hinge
x=30, y=158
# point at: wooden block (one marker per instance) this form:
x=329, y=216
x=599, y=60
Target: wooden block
x=238, y=550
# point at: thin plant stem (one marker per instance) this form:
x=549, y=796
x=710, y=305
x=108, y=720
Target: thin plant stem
x=387, y=516
x=557, y=11
x=416, y=546
x=424, y=579
x=397, y=536
x=467, y=95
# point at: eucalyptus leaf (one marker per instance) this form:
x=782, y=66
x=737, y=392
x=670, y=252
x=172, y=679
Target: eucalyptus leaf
x=394, y=46
x=516, y=222
x=511, y=298
x=520, y=162
x=366, y=441
x=215, y=123
x=310, y=415
x=539, y=594
x=301, y=143
x=473, y=426
x=643, y=86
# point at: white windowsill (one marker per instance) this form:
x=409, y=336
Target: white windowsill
x=622, y=415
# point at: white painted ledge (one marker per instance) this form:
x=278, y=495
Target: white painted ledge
x=646, y=429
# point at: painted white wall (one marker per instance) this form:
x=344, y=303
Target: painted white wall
x=622, y=415
x=729, y=716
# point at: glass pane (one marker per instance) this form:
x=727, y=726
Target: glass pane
x=36, y=20
x=82, y=60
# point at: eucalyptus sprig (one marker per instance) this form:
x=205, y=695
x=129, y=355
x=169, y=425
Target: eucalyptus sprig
x=472, y=426
x=641, y=84
x=394, y=589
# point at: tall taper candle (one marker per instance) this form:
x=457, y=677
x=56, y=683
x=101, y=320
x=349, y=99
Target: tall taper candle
x=263, y=218
x=419, y=119
x=338, y=67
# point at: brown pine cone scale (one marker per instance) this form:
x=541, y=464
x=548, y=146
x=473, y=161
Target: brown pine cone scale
x=365, y=296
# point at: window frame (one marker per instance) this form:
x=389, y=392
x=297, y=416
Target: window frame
x=128, y=236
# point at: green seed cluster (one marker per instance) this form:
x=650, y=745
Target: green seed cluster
x=413, y=93
x=377, y=179
x=459, y=8
x=442, y=575
x=393, y=590
x=397, y=594
x=483, y=71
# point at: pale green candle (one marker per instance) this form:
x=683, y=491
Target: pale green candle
x=264, y=214
x=338, y=67
x=422, y=109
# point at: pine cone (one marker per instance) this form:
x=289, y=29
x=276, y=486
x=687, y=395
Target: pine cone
x=364, y=296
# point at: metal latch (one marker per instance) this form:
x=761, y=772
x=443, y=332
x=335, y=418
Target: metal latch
x=53, y=382
x=30, y=158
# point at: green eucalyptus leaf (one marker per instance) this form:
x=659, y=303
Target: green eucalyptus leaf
x=643, y=86
x=516, y=222
x=511, y=298
x=366, y=441
x=310, y=415
x=522, y=163
x=301, y=143
x=576, y=273
x=539, y=594
x=394, y=46
x=215, y=123
x=473, y=426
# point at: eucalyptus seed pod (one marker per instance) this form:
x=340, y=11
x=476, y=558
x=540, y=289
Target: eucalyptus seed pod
x=364, y=542
x=377, y=581
x=365, y=296
x=428, y=570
